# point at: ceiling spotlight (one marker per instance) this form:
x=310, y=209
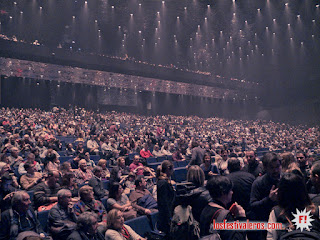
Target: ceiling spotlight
x=259, y=9
x=112, y=6
x=185, y=8
x=131, y=14
x=140, y=4
x=95, y=21
x=286, y=4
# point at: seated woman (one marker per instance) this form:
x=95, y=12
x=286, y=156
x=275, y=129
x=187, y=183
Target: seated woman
x=117, y=229
x=68, y=181
x=208, y=168
x=292, y=196
x=119, y=200
x=105, y=174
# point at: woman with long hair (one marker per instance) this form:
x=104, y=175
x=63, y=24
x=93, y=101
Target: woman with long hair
x=165, y=196
x=292, y=195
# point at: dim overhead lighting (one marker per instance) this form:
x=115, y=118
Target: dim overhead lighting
x=112, y=6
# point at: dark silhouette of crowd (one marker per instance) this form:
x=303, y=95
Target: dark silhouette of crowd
x=91, y=174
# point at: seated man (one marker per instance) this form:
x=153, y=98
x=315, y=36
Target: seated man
x=87, y=203
x=86, y=228
x=62, y=219
x=97, y=185
x=136, y=166
x=19, y=218
x=141, y=199
x=31, y=178
x=45, y=193
x=31, y=159
x=83, y=174
x=220, y=189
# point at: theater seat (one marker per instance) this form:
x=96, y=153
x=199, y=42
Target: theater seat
x=140, y=225
x=43, y=219
x=180, y=174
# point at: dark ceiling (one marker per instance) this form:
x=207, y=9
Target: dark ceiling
x=272, y=42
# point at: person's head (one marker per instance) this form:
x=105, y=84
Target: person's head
x=131, y=177
x=115, y=190
x=86, y=193
x=194, y=144
x=97, y=171
x=196, y=175
x=31, y=157
x=207, y=159
x=115, y=219
x=167, y=168
x=315, y=175
x=21, y=201
x=4, y=158
x=234, y=164
x=64, y=197
x=65, y=167
x=121, y=161
x=14, y=152
x=83, y=165
x=287, y=158
x=224, y=154
x=68, y=179
x=52, y=178
x=251, y=157
x=292, y=193
x=140, y=182
x=272, y=165
x=87, y=156
x=302, y=159
x=29, y=167
x=156, y=147
x=136, y=159
x=88, y=222
x=220, y=188
x=103, y=164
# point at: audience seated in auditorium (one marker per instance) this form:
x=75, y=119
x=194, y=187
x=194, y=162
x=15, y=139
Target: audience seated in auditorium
x=19, y=218
x=62, y=219
x=92, y=145
x=31, y=159
x=45, y=193
x=220, y=189
x=119, y=200
x=29, y=180
x=136, y=166
x=119, y=172
x=83, y=174
x=105, y=173
x=87, y=203
x=117, y=229
x=141, y=198
x=87, y=228
x=97, y=185
x=68, y=181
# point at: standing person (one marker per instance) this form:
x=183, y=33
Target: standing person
x=293, y=196
x=196, y=154
x=264, y=191
x=165, y=196
x=220, y=189
x=253, y=166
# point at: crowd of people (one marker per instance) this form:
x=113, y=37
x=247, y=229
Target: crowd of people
x=236, y=170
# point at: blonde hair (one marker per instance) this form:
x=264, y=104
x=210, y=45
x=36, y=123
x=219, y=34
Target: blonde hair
x=112, y=216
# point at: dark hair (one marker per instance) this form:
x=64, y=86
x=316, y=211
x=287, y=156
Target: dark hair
x=84, y=221
x=234, y=164
x=138, y=180
x=166, y=164
x=287, y=159
x=292, y=193
x=196, y=175
x=65, y=181
x=270, y=157
x=27, y=165
x=316, y=168
x=219, y=185
x=206, y=155
x=114, y=188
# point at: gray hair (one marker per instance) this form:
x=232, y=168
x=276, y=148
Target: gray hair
x=62, y=193
x=85, y=220
x=18, y=198
x=97, y=169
